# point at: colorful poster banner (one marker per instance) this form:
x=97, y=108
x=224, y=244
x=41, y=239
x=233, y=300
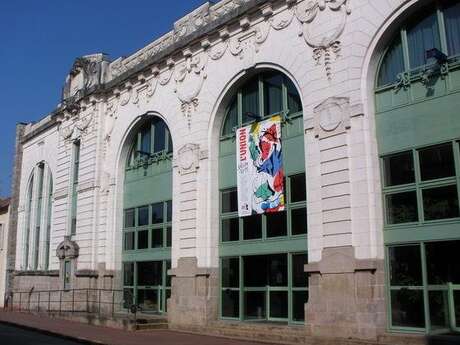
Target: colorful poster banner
x=260, y=171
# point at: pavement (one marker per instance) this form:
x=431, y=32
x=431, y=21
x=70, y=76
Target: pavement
x=11, y=335
x=75, y=332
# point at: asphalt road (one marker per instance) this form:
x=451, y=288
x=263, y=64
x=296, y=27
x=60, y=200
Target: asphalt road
x=10, y=335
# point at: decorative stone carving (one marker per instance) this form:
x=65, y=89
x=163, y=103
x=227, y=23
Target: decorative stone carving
x=67, y=249
x=189, y=78
x=188, y=158
x=191, y=22
x=77, y=128
x=85, y=73
x=331, y=116
x=326, y=46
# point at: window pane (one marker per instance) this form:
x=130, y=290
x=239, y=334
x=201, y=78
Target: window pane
x=407, y=308
x=298, y=188
x=159, y=136
x=129, y=218
x=169, y=237
x=276, y=224
x=439, y=310
x=273, y=95
x=145, y=141
x=143, y=214
x=255, y=303
x=128, y=274
x=299, y=298
x=169, y=211
x=405, y=266
x=231, y=120
x=229, y=201
x=299, y=277
x=440, y=203
x=399, y=169
x=128, y=298
x=437, y=162
x=230, y=303
x=441, y=265
x=149, y=273
x=230, y=272
x=142, y=239
x=230, y=230
x=299, y=221
x=279, y=304
x=129, y=240
x=252, y=227
x=294, y=101
x=278, y=270
x=157, y=238
x=457, y=306
x=148, y=299
x=402, y=208
x=421, y=37
x=255, y=271
x=157, y=213
x=251, y=100
x=392, y=64
x=452, y=22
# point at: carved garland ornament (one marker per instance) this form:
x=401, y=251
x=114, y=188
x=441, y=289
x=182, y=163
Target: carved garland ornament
x=189, y=76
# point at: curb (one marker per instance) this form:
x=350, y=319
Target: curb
x=80, y=340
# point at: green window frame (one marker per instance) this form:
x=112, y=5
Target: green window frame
x=132, y=290
x=419, y=186
x=164, y=227
x=28, y=222
x=260, y=97
x=401, y=51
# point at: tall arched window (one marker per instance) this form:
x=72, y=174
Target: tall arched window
x=418, y=134
x=434, y=28
x=147, y=224
x=38, y=220
x=262, y=256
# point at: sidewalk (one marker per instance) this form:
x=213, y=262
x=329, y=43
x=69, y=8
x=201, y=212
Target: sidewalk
x=108, y=336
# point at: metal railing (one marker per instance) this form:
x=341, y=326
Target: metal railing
x=91, y=301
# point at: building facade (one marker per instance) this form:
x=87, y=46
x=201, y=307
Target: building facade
x=4, y=223
x=131, y=182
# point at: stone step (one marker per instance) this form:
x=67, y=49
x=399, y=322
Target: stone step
x=151, y=326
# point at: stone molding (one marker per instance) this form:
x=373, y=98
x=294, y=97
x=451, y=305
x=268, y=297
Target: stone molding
x=188, y=268
x=51, y=273
x=67, y=249
x=188, y=159
x=330, y=117
x=340, y=260
x=86, y=274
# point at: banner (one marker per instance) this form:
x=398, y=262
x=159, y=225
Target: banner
x=260, y=171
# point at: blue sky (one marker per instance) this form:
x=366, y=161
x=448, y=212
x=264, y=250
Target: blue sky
x=39, y=40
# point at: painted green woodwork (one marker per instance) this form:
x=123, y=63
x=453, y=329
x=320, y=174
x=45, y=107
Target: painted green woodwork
x=267, y=93
x=414, y=114
x=147, y=202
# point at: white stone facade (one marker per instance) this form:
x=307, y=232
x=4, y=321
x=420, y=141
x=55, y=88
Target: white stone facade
x=330, y=49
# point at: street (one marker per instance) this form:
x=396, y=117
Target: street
x=10, y=335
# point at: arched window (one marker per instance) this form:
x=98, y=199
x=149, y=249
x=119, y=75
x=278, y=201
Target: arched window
x=434, y=28
x=147, y=223
x=262, y=256
x=418, y=135
x=38, y=217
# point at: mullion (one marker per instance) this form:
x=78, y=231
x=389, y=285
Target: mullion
x=418, y=178
x=442, y=30
x=457, y=166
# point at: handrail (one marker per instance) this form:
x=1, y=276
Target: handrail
x=89, y=300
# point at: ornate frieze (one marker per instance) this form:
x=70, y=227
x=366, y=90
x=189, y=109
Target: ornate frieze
x=326, y=46
x=332, y=116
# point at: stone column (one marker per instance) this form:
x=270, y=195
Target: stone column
x=346, y=279
x=14, y=204
x=194, y=300
x=346, y=296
